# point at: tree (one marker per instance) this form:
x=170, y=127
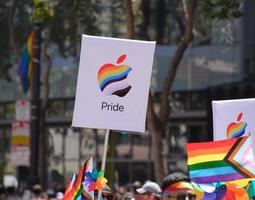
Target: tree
x=157, y=122
x=66, y=36
x=16, y=19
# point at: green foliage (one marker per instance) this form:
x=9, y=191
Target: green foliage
x=13, y=22
x=75, y=17
x=71, y=20
x=42, y=10
x=221, y=9
x=5, y=75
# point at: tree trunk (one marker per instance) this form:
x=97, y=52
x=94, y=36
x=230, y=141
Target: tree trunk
x=130, y=18
x=13, y=42
x=185, y=41
x=157, y=124
x=161, y=21
x=156, y=141
x=145, y=10
x=44, y=137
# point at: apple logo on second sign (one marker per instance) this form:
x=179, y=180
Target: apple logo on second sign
x=236, y=129
x=112, y=79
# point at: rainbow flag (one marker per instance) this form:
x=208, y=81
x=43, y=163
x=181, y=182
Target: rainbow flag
x=76, y=191
x=89, y=168
x=70, y=184
x=26, y=63
x=251, y=189
x=220, y=161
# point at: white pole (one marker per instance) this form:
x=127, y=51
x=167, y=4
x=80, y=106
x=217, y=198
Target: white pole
x=105, y=149
x=106, y=138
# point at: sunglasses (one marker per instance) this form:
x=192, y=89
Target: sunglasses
x=184, y=196
x=108, y=197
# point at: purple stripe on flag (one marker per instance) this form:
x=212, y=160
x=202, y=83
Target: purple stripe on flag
x=217, y=178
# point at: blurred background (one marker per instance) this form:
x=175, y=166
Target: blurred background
x=218, y=63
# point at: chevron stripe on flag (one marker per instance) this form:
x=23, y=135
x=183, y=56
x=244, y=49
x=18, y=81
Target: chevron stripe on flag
x=224, y=160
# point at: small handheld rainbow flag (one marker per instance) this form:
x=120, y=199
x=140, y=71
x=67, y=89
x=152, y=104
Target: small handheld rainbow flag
x=84, y=185
x=26, y=63
x=74, y=190
x=220, y=161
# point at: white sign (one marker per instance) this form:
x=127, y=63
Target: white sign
x=20, y=128
x=113, y=83
x=23, y=110
x=20, y=133
x=233, y=118
x=20, y=155
x=20, y=140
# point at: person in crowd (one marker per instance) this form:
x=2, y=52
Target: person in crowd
x=177, y=186
x=150, y=191
x=128, y=196
x=107, y=193
x=50, y=194
x=2, y=192
x=44, y=196
x=136, y=185
x=59, y=195
x=36, y=192
x=11, y=193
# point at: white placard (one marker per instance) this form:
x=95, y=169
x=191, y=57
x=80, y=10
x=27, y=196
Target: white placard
x=20, y=128
x=23, y=110
x=113, y=83
x=20, y=141
x=233, y=118
x=20, y=155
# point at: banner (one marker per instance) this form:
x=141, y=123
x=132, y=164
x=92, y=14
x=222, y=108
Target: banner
x=233, y=118
x=113, y=83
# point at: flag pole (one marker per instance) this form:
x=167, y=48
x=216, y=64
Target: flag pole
x=106, y=139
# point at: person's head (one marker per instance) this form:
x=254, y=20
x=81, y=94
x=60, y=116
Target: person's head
x=150, y=190
x=59, y=195
x=2, y=189
x=50, y=192
x=177, y=186
x=37, y=189
x=128, y=196
x=107, y=193
x=44, y=196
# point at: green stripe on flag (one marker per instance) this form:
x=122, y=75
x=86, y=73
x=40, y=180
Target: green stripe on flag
x=206, y=165
x=78, y=195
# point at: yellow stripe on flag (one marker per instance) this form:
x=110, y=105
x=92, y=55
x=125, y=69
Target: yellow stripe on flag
x=206, y=158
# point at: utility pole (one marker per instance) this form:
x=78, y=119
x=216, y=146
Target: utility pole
x=35, y=103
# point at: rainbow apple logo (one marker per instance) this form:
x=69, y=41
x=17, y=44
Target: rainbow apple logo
x=112, y=79
x=236, y=129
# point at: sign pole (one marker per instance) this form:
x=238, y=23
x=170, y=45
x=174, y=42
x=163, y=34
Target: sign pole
x=35, y=103
x=106, y=139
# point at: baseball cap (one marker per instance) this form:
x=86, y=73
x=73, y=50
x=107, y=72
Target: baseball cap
x=59, y=195
x=149, y=187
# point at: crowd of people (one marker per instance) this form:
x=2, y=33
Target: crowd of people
x=36, y=192
x=175, y=186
